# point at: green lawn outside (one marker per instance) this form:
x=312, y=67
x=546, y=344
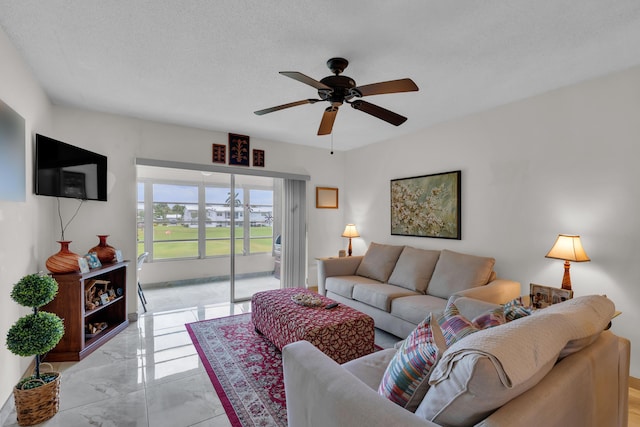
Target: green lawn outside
x=165, y=245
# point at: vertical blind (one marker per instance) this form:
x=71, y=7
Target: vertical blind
x=294, y=234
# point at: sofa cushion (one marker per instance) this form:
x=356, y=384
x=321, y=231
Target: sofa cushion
x=379, y=295
x=414, y=268
x=369, y=368
x=405, y=381
x=343, y=285
x=415, y=308
x=456, y=272
x=379, y=261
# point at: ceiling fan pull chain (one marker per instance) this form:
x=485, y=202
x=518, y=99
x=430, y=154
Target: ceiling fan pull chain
x=332, y=143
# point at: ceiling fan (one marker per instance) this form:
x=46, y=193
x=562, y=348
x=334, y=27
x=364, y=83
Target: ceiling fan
x=339, y=89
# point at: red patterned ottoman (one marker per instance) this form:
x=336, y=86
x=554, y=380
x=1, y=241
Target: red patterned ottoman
x=342, y=333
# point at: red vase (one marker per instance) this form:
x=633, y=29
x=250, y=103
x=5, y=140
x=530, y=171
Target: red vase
x=106, y=253
x=64, y=261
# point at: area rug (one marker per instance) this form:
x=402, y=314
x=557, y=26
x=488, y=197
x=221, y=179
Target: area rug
x=245, y=369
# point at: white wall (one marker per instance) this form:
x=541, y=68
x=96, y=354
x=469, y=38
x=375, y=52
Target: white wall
x=24, y=239
x=562, y=162
x=123, y=139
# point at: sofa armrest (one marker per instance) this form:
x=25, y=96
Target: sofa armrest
x=583, y=389
x=327, y=267
x=498, y=291
x=322, y=393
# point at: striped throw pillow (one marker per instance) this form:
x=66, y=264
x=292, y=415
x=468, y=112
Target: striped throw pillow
x=405, y=381
x=455, y=326
x=515, y=309
x=490, y=319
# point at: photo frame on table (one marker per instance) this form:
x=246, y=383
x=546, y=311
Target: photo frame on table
x=326, y=198
x=83, y=264
x=544, y=296
x=427, y=206
x=92, y=260
x=238, y=150
x=119, y=257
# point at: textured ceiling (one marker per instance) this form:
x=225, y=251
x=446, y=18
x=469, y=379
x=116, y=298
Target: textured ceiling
x=210, y=64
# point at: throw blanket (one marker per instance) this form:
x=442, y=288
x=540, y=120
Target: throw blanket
x=518, y=349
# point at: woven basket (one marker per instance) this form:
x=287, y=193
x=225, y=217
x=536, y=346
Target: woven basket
x=38, y=404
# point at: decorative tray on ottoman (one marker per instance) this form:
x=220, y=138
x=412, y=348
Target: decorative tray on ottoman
x=306, y=300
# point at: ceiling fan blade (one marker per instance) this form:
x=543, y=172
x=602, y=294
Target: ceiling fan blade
x=289, y=105
x=329, y=116
x=392, y=86
x=305, y=79
x=379, y=112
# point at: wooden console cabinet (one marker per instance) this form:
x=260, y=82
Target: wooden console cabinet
x=69, y=304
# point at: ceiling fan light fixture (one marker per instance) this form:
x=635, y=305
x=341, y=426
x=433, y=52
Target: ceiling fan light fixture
x=337, y=89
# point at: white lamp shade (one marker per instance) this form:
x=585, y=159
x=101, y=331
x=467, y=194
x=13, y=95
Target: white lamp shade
x=569, y=248
x=350, y=231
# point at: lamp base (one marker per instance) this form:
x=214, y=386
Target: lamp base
x=349, y=251
x=566, y=278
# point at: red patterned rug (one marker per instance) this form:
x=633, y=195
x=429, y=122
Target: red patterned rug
x=245, y=369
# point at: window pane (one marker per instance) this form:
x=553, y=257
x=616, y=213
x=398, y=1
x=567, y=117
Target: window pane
x=164, y=250
x=218, y=201
x=261, y=245
x=175, y=222
x=261, y=214
x=176, y=218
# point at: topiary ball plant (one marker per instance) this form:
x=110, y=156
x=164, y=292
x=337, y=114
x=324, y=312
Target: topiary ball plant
x=37, y=333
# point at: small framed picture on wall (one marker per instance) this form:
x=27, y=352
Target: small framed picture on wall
x=238, y=150
x=219, y=153
x=326, y=198
x=258, y=158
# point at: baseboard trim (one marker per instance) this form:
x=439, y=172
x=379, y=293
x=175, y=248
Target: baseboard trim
x=634, y=383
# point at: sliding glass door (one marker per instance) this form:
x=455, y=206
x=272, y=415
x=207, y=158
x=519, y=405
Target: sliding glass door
x=256, y=218
x=230, y=221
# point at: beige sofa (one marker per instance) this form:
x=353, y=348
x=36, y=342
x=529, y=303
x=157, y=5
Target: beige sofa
x=563, y=370
x=399, y=285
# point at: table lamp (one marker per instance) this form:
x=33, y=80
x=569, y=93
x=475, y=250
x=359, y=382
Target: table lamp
x=350, y=231
x=569, y=248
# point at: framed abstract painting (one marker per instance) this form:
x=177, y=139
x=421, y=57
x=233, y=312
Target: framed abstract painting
x=426, y=206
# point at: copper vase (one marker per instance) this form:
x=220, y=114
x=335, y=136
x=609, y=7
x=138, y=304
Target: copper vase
x=64, y=261
x=106, y=253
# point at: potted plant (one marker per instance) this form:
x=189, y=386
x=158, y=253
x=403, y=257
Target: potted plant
x=37, y=396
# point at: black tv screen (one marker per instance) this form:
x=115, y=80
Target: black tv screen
x=62, y=170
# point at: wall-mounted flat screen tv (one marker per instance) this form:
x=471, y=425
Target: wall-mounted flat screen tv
x=63, y=170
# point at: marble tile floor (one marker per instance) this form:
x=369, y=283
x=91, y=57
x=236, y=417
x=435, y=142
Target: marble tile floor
x=150, y=374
